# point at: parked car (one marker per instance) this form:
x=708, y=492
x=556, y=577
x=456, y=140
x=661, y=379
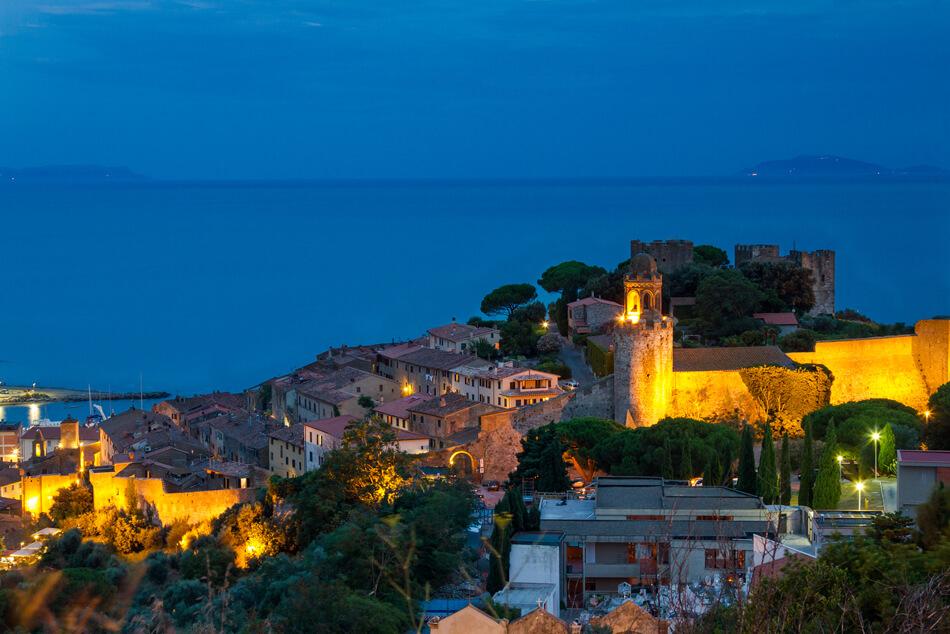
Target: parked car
x=492, y=485
x=570, y=385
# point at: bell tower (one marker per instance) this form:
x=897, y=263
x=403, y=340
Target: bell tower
x=643, y=348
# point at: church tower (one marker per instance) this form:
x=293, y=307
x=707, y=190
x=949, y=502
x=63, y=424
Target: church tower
x=643, y=348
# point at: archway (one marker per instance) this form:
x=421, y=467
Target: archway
x=465, y=468
x=633, y=302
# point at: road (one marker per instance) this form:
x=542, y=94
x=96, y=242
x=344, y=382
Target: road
x=574, y=359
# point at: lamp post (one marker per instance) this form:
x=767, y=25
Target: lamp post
x=840, y=460
x=926, y=413
x=860, y=487
x=876, y=436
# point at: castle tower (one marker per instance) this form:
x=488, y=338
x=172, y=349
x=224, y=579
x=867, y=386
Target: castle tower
x=643, y=348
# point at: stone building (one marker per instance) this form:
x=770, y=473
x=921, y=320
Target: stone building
x=447, y=415
x=591, y=315
x=669, y=255
x=643, y=348
x=455, y=337
x=821, y=263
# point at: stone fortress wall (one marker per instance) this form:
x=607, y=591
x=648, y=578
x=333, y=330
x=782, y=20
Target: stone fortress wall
x=716, y=395
x=192, y=506
x=905, y=368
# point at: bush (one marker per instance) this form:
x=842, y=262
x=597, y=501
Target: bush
x=855, y=421
x=72, y=501
x=801, y=340
x=555, y=367
x=549, y=344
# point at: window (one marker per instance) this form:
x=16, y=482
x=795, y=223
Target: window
x=717, y=560
x=715, y=518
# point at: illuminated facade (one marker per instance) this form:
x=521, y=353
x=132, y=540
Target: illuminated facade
x=643, y=348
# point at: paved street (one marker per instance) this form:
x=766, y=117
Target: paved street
x=574, y=359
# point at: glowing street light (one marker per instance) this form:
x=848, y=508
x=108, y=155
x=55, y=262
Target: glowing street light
x=876, y=436
x=860, y=487
x=545, y=324
x=840, y=460
x=927, y=415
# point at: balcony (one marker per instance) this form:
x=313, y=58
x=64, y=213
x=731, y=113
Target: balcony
x=620, y=570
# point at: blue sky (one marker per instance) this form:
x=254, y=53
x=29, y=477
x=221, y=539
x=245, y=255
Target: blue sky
x=474, y=89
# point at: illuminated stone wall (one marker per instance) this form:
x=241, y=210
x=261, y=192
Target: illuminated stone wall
x=192, y=506
x=713, y=395
x=643, y=371
x=932, y=351
x=37, y=492
x=877, y=367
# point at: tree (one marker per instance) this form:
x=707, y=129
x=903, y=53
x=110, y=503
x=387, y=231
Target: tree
x=828, y=483
x=366, y=402
x=887, y=451
x=684, y=281
x=568, y=278
x=725, y=296
x=710, y=255
x=580, y=436
x=686, y=461
x=712, y=475
x=72, y=501
x=485, y=350
x=499, y=551
x=937, y=433
x=807, y=473
x=857, y=420
x=508, y=298
x=549, y=344
x=667, y=466
x=519, y=338
x=767, y=476
x=790, y=283
x=933, y=518
x=747, y=478
x=542, y=459
x=785, y=476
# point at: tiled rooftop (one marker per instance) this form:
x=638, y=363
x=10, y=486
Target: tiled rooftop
x=460, y=332
x=712, y=359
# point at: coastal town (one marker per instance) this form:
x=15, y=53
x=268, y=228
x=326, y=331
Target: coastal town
x=693, y=440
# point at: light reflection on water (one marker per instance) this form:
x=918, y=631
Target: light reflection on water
x=28, y=413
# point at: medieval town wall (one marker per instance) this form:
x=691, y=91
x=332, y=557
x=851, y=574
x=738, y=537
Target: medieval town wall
x=643, y=371
x=718, y=395
x=932, y=351
x=877, y=367
x=37, y=492
x=192, y=506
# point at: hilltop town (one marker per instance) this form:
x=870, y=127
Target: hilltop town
x=664, y=441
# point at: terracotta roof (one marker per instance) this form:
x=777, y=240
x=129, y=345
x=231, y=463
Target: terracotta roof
x=444, y=405
x=713, y=359
x=441, y=359
x=589, y=301
x=86, y=434
x=292, y=434
x=922, y=458
x=332, y=426
x=399, y=350
x=777, y=319
x=460, y=332
x=402, y=434
x=133, y=423
x=400, y=408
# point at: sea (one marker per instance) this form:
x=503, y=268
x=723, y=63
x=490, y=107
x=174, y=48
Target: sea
x=201, y=286
x=33, y=413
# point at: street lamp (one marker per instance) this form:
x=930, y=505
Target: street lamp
x=860, y=487
x=876, y=436
x=840, y=460
x=545, y=324
x=927, y=415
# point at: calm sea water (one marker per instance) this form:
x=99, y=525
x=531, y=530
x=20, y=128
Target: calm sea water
x=209, y=286
x=26, y=414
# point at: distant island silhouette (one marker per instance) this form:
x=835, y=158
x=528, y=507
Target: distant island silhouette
x=831, y=167
x=69, y=174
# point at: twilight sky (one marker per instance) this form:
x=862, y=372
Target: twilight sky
x=471, y=89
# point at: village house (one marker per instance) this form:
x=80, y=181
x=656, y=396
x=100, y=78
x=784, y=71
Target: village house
x=507, y=387
x=333, y=394
x=447, y=415
x=10, y=442
x=396, y=413
x=428, y=371
x=186, y=411
x=118, y=434
x=918, y=473
x=591, y=315
x=42, y=440
x=237, y=438
x=322, y=436
x=457, y=337
x=783, y=322
x=287, y=451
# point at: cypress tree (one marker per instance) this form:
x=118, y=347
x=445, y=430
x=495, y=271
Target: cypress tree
x=666, y=469
x=514, y=503
x=500, y=552
x=686, y=461
x=725, y=464
x=887, y=455
x=746, y=462
x=827, y=491
x=712, y=476
x=553, y=469
x=807, y=477
x=767, y=476
x=785, y=477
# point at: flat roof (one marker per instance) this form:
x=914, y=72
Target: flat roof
x=542, y=538
x=921, y=458
x=567, y=509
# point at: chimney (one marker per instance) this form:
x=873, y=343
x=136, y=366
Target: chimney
x=575, y=627
x=441, y=401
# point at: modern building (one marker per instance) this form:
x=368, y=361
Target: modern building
x=646, y=531
x=591, y=315
x=918, y=473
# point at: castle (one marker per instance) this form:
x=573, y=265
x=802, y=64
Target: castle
x=653, y=380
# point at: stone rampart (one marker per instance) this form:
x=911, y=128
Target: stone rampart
x=192, y=506
x=932, y=351
x=715, y=395
x=876, y=367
